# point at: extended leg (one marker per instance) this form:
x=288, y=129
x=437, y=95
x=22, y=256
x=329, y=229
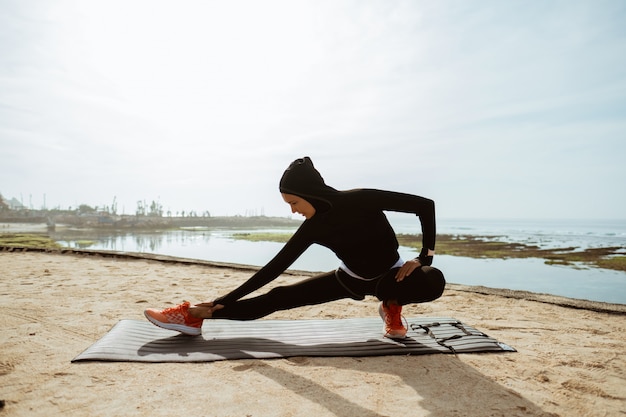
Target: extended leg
x=315, y=290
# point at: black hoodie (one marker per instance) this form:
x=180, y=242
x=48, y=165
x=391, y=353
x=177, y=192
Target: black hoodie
x=350, y=223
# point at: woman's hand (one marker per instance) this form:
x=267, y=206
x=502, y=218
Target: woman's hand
x=204, y=310
x=407, y=269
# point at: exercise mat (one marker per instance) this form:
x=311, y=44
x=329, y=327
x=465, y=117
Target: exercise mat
x=141, y=341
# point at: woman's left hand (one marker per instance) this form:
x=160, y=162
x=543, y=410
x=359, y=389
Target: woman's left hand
x=407, y=269
x=204, y=310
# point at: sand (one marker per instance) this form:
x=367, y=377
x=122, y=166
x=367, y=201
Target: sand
x=570, y=361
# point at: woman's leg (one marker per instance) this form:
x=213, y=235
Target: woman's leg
x=424, y=284
x=316, y=290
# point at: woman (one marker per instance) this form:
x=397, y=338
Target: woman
x=351, y=224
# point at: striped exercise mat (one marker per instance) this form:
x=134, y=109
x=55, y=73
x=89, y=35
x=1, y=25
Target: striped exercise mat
x=141, y=341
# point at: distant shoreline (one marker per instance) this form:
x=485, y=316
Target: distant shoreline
x=465, y=245
x=128, y=222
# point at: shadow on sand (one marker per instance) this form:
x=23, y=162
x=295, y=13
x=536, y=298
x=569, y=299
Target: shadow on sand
x=444, y=386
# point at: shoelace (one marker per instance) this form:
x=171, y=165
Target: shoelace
x=394, y=319
x=175, y=309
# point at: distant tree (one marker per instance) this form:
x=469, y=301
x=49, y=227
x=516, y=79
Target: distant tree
x=85, y=209
x=156, y=209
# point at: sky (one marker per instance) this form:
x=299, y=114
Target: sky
x=511, y=110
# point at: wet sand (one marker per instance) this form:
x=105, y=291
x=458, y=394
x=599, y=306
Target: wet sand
x=570, y=359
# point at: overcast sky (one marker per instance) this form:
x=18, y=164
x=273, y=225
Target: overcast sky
x=495, y=109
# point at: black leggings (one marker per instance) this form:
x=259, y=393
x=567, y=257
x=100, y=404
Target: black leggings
x=424, y=284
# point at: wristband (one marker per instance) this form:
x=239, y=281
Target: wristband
x=424, y=259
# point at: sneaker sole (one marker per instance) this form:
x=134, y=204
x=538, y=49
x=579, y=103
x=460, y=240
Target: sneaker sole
x=388, y=335
x=189, y=331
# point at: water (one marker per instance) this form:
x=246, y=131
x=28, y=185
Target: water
x=518, y=274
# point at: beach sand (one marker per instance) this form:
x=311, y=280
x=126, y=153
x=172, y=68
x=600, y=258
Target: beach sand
x=570, y=361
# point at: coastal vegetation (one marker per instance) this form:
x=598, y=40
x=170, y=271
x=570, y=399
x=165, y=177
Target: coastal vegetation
x=491, y=247
x=455, y=245
x=28, y=240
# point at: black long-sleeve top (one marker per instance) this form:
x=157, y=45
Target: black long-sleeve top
x=352, y=225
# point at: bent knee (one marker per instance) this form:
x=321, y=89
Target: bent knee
x=436, y=281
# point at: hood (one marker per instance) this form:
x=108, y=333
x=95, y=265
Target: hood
x=302, y=179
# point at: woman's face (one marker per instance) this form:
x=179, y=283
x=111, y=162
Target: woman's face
x=299, y=205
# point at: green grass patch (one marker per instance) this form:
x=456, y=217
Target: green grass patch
x=490, y=247
x=469, y=246
x=28, y=240
x=263, y=237
x=615, y=262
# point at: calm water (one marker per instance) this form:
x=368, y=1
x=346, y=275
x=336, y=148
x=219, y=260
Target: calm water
x=519, y=274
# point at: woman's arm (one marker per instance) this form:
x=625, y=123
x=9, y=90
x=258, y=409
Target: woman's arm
x=422, y=207
x=298, y=243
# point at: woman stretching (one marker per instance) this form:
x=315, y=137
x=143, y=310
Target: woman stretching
x=351, y=224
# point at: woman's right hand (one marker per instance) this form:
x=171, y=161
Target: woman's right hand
x=204, y=310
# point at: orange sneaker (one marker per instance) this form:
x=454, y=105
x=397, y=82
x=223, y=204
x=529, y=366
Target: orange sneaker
x=175, y=318
x=392, y=316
